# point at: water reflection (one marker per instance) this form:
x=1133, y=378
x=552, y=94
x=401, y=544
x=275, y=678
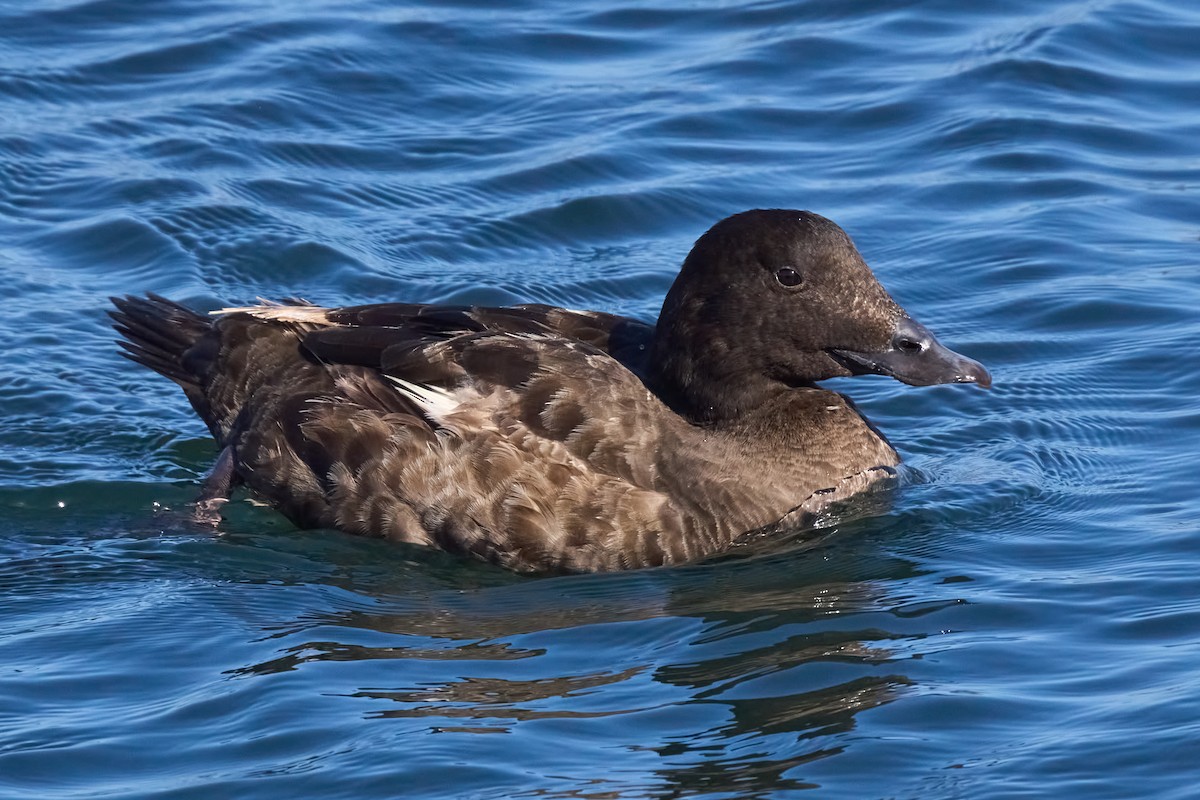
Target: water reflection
x=498, y=699
x=728, y=677
x=768, y=737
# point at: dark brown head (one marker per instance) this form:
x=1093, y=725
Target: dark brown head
x=772, y=298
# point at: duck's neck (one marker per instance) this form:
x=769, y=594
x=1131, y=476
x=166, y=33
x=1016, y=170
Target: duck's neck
x=705, y=385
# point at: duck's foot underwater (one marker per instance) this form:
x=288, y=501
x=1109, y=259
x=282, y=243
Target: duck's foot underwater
x=215, y=491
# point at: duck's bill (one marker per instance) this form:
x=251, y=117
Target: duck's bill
x=917, y=358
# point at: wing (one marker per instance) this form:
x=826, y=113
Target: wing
x=545, y=453
x=356, y=334
x=522, y=447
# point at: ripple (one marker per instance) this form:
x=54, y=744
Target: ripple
x=1020, y=176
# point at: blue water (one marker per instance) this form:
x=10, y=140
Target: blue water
x=1024, y=621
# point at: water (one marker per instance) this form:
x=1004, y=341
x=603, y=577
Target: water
x=1024, y=620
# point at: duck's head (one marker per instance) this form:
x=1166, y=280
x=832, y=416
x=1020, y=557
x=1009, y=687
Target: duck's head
x=771, y=297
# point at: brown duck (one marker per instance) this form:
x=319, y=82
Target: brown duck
x=542, y=438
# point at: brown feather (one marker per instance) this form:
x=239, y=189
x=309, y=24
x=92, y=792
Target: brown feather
x=542, y=438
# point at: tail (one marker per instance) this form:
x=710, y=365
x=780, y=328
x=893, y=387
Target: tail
x=160, y=334
x=220, y=366
x=173, y=341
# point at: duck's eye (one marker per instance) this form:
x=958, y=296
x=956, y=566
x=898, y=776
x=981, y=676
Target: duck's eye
x=788, y=277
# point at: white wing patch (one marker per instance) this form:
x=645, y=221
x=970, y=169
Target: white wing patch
x=437, y=403
x=314, y=315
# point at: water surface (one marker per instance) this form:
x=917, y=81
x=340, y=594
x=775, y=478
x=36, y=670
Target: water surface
x=1023, y=620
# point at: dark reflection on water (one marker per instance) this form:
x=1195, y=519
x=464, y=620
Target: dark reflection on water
x=775, y=667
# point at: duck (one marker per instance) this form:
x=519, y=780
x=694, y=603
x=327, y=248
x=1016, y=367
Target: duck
x=549, y=440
